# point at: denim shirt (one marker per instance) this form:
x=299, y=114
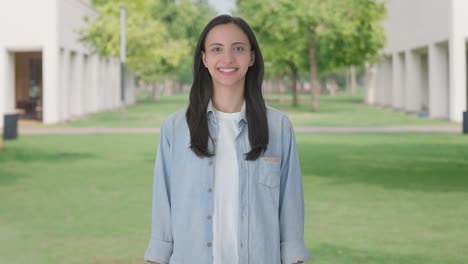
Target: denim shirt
x=271, y=202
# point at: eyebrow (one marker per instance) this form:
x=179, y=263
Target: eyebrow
x=219, y=44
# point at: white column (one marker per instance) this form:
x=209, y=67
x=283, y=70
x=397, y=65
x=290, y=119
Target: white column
x=115, y=83
x=457, y=61
x=371, y=81
x=105, y=84
x=3, y=82
x=86, y=106
x=398, y=80
x=413, y=86
x=380, y=82
x=424, y=81
x=7, y=82
x=64, y=109
x=438, y=81
x=72, y=103
x=78, y=85
x=94, y=81
x=51, y=84
x=50, y=71
x=388, y=82
x=101, y=92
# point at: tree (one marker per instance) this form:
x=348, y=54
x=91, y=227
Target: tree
x=185, y=20
x=282, y=56
x=329, y=34
x=160, y=34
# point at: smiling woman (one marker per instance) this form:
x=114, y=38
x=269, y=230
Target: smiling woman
x=227, y=181
x=228, y=56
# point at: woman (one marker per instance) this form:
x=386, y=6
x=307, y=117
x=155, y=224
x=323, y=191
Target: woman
x=227, y=181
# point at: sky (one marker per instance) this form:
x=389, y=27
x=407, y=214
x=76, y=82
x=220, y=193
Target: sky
x=223, y=6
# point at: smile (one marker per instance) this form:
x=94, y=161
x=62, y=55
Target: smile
x=227, y=69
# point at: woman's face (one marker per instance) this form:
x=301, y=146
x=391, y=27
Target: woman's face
x=227, y=56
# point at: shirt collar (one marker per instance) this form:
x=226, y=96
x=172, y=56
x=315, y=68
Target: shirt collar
x=210, y=112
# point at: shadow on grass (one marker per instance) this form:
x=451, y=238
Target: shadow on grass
x=25, y=155
x=8, y=176
x=327, y=253
x=339, y=102
x=168, y=100
x=410, y=166
x=15, y=156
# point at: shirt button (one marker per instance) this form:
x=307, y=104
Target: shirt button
x=209, y=217
x=209, y=244
x=210, y=163
x=210, y=190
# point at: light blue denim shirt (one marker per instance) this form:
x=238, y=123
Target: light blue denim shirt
x=271, y=202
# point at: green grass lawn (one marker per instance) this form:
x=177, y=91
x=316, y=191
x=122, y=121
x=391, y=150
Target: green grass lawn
x=343, y=110
x=370, y=198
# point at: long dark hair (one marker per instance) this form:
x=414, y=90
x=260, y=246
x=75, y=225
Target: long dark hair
x=202, y=90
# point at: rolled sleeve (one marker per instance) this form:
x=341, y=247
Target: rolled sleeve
x=291, y=210
x=294, y=251
x=160, y=247
x=158, y=251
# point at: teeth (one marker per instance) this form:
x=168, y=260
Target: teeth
x=227, y=70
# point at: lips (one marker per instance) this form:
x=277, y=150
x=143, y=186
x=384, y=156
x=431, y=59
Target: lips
x=227, y=70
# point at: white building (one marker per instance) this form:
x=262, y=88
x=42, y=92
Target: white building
x=424, y=64
x=45, y=72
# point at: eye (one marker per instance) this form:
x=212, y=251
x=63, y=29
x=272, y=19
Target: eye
x=238, y=49
x=216, y=49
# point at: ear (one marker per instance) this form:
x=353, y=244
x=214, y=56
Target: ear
x=252, y=58
x=204, y=59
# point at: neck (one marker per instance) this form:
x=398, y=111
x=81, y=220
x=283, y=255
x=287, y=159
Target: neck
x=227, y=99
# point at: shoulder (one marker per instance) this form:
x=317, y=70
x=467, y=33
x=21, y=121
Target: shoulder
x=175, y=121
x=276, y=117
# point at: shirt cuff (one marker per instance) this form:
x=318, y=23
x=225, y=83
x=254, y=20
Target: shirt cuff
x=294, y=251
x=159, y=251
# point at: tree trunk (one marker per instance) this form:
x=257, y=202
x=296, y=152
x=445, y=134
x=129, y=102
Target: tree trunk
x=313, y=77
x=353, y=80
x=156, y=92
x=281, y=90
x=348, y=81
x=276, y=82
x=180, y=87
x=293, y=82
x=267, y=91
x=168, y=87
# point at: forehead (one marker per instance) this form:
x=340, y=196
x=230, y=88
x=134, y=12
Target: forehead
x=226, y=34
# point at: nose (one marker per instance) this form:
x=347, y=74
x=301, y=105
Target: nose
x=228, y=56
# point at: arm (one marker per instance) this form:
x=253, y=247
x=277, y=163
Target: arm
x=161, y=243
x=291, y=207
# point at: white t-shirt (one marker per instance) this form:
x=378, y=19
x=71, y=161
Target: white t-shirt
x=226, y=191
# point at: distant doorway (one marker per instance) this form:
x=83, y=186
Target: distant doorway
x=28, y=85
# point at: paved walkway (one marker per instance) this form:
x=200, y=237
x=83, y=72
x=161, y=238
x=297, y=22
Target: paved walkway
x=117, y=130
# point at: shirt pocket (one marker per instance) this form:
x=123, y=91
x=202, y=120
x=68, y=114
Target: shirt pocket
x=270, y=171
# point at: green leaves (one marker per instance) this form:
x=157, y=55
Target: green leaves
x=161, y=34
x=345, y=32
